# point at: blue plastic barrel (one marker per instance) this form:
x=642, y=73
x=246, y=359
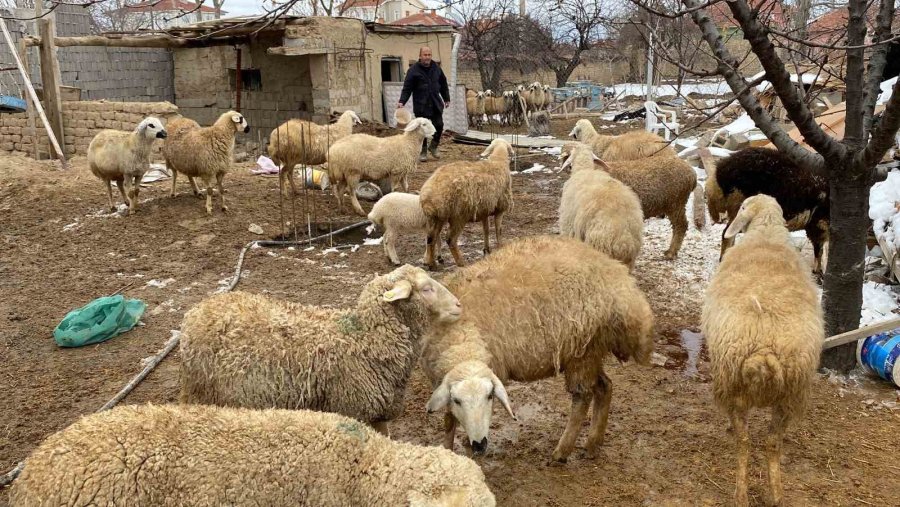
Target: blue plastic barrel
x=880, y=355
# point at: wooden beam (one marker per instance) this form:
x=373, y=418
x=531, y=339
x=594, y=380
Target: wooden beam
x=33, y=95
x=859, y=334
x=153, y=41
x=296, y=51
x=51, y=79
x=23, y=56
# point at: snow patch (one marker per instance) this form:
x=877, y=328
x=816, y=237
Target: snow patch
x=879, y=303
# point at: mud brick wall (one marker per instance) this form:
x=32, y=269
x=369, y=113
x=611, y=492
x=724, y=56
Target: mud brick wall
x=81, y=122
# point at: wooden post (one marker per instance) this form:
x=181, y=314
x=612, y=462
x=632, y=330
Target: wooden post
x=23, y=56
x=31, y=92
x=51, y=78
x=238, y=81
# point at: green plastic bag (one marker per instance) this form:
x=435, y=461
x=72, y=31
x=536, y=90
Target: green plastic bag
x=98, y=321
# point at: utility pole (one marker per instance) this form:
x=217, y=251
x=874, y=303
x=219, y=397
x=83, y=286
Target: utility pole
x=522, y=8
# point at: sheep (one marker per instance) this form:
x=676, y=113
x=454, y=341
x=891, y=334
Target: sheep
x=537, y=96
x=541, y=306
x=124, y=157
x=397, y=213
x=461, y=192
x=600, y=210
x=802, y=194
x=475, y=108
x=633, y=145
x=363, y=157
x=203, y=152
x=172, y=455
x=764, y=331
x=493, y=106
x=663, y=184
x=548, y=97
x=248, y=350
x=304, y=142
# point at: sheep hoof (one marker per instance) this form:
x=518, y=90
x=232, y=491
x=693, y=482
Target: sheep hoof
x=669, y=256
x=557, y=461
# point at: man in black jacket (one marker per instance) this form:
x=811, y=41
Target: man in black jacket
x=428, y=86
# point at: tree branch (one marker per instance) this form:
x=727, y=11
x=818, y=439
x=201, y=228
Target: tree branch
x=877, y=61
x=757, y=35
x=883, y=134
x=727, y=66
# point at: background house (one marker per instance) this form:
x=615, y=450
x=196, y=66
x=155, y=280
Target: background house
x=163, y=14
x=385, y=11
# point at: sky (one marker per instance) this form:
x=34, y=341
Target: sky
x=245, y=7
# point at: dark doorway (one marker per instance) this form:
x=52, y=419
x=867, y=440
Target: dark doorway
x=390, y=69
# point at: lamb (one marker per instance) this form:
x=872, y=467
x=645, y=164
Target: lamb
x=475, y=108
x=461, y=192
x=124, y=157
x=541, y=306
x=248, y=350
x=363, y=157
x=763, y=327
x=537, y=96
x=600, y=210
x=304, y=142
x=171, y=455
x=663, y=184
x=633, y=145
x=548, y=97
x=203, y=152
x=802, y=194
x=397, y=213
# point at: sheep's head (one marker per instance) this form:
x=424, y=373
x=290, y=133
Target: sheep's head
x=479, y=95
x=489, y=93
x=582, y=127
x=520, y=88
x=424, y=127
x=151, y=128
x=546, y=88
x=238, y=122
x=468, y=390
x=413, y=284
x=495, y=145
x=760, y=208
x=571, y=149
x=353, y=115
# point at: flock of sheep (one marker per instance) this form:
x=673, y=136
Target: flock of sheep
x=283, y=403
x=510, y=107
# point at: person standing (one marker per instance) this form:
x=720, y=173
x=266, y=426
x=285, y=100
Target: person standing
x=427, y=84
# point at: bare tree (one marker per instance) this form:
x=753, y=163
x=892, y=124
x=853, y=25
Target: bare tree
x=491, y=36
x=570, y=27
x=848, y=164
x=217, y=5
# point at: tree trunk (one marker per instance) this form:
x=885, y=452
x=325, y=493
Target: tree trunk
x=842, y=297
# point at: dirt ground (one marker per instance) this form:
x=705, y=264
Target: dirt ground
x=665, y=445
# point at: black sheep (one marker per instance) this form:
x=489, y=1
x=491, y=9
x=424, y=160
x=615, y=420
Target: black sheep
x=802, y=195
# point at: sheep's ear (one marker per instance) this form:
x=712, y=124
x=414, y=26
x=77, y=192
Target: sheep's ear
x=439, y=398
x=236, y=118
x=401, y=290
x=567, y=163
x=500, y=393
x=600, y=162
x=574, y=132
x=737, y=225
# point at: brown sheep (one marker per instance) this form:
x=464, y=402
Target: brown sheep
x=763, y=327
x=632, y=145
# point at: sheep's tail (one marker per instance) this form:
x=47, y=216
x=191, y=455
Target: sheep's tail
x=762, y=374
x=699, y=208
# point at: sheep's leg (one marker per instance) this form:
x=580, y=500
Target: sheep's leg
x=209, y=193
x=449, y=429
x=817, y=237
x=600, y=415
x=577, y=414
x=194, y=187
x=112, y=206
x=351, y=186
x=220, y=177
x=121, y=185
x=174, y=179
x=742, y=437
x=487, y=235
x=129, y=194
x=679, y=222
x=498, y=228
x=136, y=190
x=452, y=239
x=773, y=453
x=405, y=183
x=434, y=235
x=389, y=247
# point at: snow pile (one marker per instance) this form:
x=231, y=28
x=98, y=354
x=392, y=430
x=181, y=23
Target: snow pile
x=879, y=303
x=639, y=89
x=535, y=168
x=887, y=88
x=883, y=201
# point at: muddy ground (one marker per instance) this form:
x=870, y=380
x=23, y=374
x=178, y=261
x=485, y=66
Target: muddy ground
x=665, y=445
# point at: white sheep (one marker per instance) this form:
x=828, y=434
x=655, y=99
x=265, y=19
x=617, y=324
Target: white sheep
x=248, y=350
x=461, y=192
x=763, y=327
x=599, y=209
x=398, y=213
x=540, y=306
x=360, y=157
x=203, y=152
x=304, y=142
x=633, y=145
x=172, y=455
x=124, y=157
x=475, y=108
